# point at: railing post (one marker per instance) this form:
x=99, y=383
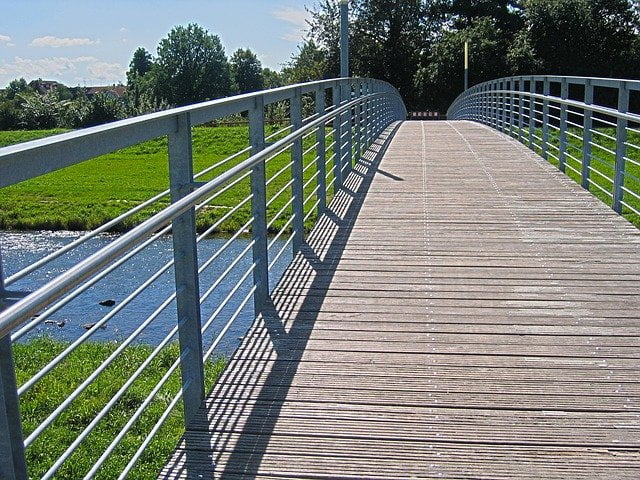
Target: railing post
x=185, y=255
x=259, y=209
x=546, y=89
x=296, y=172
x=321, y=152
x=532, y=111
x=621, y=147
x=520, y=88
x=357, y=119
x=564, y=94
x=12, y=461
x=337, y=135
x=503, y=87
x=347, y=117
x=586, y=136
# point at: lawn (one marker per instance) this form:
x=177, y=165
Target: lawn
x=87, y=195
x=38, y=402
x=602, y=163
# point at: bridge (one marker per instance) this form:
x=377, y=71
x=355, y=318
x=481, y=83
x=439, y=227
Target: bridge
x=465, y=306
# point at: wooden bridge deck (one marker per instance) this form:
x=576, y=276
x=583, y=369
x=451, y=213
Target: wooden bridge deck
x=465, y=311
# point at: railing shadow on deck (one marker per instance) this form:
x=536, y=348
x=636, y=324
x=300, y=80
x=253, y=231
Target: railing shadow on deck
x=234, y=417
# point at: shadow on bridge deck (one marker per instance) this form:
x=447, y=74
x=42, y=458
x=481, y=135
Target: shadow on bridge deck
x=463, y=311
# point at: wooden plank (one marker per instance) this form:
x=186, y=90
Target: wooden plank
x=465, y=311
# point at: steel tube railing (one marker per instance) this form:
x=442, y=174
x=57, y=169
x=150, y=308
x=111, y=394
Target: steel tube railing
x=569, y=127
x=361, y=109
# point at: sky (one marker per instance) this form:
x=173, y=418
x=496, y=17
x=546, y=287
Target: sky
x=89, y=42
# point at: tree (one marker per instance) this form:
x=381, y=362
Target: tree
x=140, y=82
x=583, y=37
x=387, y=39
x=441, y=79
x=272, y=79
x=141, y=63
x=310, y=63
x=16, y=87
x=191, y=67
x=246, y=71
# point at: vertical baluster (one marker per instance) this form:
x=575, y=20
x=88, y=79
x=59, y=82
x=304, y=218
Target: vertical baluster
x=546, y=89
x=321, y=152
x=621, y=147
x=564, y=94
x=520, y=88
x=259, y=208
x=357, y=119
x=532, y=111
x=337, y=146
x=347, y=163
x=296, y=172
x=12, y=461
x=587, y=135
x=504, y=87
x=185, y=254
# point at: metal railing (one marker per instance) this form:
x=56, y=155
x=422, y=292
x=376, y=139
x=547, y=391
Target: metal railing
x=318, y=153
x=588, y=127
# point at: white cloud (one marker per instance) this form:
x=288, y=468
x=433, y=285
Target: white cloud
x=296, y=18
x=56, y=42
x=106, y=72
x=11, y=44
x=123, y=29
x=5, y=38
x=88, y=69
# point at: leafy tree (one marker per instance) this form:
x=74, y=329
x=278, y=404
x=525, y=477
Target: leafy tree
x=39, y=111
x=140, y=83
x=583, y=37
x=191, y=67
x=272, y=79
x=442, y=78
x=103, y=108
x=309, y=64
x=246, y=71
x=16, y=87
x=141, y=63
x=387, y=39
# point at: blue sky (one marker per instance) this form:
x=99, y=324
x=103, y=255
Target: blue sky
x=89, y=42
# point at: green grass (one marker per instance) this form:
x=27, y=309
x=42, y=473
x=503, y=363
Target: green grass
x=87, y=195
x=604, y=164
x=47, y=394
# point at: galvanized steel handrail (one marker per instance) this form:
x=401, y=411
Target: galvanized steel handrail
x=359, y=110
x=571, y=122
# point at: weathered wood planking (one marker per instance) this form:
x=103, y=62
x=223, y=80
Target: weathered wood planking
x=464, y=311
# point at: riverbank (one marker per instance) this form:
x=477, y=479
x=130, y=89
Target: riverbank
x=54, y=388
x=87, y=195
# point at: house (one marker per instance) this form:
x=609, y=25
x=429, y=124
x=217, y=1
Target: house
x=114, y=91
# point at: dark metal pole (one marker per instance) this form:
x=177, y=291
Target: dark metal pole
x=344, y=38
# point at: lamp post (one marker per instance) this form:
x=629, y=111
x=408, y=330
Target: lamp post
x=344, y=38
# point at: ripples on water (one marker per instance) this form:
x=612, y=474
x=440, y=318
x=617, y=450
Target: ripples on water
x=24, y=248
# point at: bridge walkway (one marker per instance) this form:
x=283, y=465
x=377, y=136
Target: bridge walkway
x=463, y=311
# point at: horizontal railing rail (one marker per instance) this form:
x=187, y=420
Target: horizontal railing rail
x=283, y=181
x=588, y=127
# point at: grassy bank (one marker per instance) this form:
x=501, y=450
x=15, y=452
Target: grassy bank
x=89, y=194
x=604, y=162
x=47, y=394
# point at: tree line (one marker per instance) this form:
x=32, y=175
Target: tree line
x=190, y=66
x=417, y=45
